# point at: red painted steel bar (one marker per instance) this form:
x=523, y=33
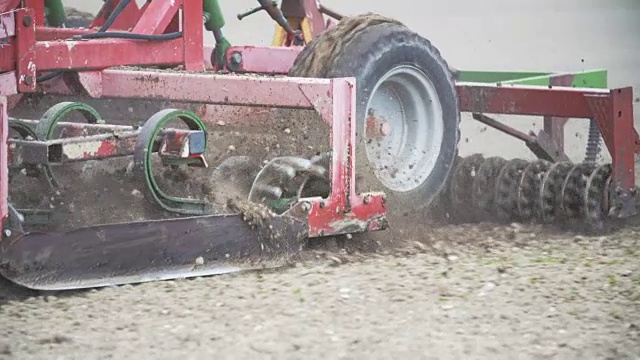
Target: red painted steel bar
x=104, y=53
x=38, y=10
x=126, y=20
x=552, y=125
x=526, y=100
x=4, y=159
x=622, y=142
x=229, y=89
x=193, y=32
x=264, y=59
x=344, y=210
x=158, y=15
x=614, y=115
x=26, y=50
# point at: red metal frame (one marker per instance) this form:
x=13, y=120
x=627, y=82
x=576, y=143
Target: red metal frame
x=53, y=53
x=4, y=160
x=33, y=48
x=612, y=109
x=126, y=20
x=81, y=142
x=263, y=59
x=344, y=210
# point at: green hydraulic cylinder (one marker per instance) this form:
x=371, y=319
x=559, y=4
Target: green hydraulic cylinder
x=215, y=19
x=214, y=22
x=55, y=13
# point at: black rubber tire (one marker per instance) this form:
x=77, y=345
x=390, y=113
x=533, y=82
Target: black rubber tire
x=367, y=47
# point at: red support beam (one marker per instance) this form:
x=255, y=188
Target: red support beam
x=263, y=59
x=526, y=100
x=4, y=158
x=38, y=8
x=26, y=49
x=614, y=115
x=553, y=125
x=104, y=53
x=125, y=21
x=158, y=15
x=211, y=88
x=192, y=30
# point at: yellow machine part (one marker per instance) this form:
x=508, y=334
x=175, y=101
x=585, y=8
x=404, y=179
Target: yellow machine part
x=280, y=35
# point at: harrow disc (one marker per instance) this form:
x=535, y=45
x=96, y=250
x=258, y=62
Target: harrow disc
x=507, y=189
x=573, y=191
x=537, y=191
x=484, y=185
x=529, y=189
x=596, y=195
x=550, y=189
x=461, y=186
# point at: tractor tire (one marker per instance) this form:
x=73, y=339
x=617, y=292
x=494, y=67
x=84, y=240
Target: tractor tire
x=401, y=79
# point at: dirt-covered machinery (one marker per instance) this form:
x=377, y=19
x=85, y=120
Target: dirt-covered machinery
x=157, y=189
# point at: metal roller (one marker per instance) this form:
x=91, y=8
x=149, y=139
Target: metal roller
x=496, y=189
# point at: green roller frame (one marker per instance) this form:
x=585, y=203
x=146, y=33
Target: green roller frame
x=595, y=79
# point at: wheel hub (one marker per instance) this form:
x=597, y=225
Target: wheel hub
x=404, y=128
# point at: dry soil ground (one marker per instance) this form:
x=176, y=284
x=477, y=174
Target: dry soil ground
x=494, y=292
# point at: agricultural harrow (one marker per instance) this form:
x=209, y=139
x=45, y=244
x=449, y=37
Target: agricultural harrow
x=389, y=109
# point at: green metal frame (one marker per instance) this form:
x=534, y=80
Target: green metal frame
x=595, y=79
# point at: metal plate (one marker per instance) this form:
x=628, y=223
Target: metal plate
x=126, y=253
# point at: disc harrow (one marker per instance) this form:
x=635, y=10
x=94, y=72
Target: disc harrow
x=165, y=186
x=528, y=191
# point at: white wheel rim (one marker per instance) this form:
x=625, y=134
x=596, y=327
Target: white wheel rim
x=404, y=128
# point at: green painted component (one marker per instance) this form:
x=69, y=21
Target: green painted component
x=144, y=165
x=585, y=79
x=591, y=79
x=495, y=76
x=279, y=206
x=48, y=121
x=215, y=19
x=222, y=46
x=542, y=80
x=55, y=13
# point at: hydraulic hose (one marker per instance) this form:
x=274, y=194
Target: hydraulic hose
x=128, y=35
